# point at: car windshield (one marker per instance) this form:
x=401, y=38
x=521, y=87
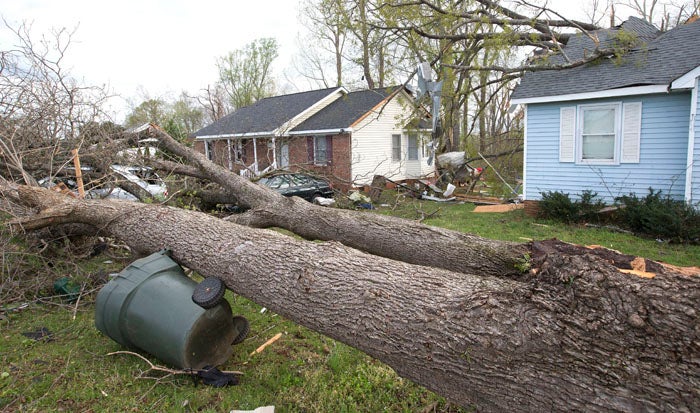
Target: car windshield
x=301, y=179
x=279, y=181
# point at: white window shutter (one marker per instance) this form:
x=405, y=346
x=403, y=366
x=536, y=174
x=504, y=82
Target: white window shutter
x=631, y=132
x=567, y=134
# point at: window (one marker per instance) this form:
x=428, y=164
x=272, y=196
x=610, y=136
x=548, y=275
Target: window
x=320, y=154
x=412, y=147
x=396, y=148
x=598, y=127
x=600, y=134
x=320, y=149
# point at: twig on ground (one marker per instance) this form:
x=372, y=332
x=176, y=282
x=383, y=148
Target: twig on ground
x=155, y=367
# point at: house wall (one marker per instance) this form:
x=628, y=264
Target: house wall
x=663, y=152
x=337, y=170
x=372, y=147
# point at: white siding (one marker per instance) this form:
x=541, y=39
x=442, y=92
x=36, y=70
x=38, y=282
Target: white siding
x=371, y=146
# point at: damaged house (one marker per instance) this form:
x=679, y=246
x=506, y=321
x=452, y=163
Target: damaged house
x=346, y=136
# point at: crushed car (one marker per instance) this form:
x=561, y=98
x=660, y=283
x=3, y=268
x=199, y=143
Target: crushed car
x=302, y=185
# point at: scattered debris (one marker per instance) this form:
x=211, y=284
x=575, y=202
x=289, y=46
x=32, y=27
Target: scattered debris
x=264, y=409
x=324, y=201
x=436, y=199
x=265, y=344
x=210, y=375
x=67, y=289
x=40, y=334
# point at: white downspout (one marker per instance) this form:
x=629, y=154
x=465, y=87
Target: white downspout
x=691, y=142
x=274, y=153
x=255, y=155
x=230, y=158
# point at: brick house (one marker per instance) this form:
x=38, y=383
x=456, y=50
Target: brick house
x=346, y=136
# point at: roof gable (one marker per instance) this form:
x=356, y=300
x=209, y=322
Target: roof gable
x=658, y=60
x=266, y=115
x=343, y=112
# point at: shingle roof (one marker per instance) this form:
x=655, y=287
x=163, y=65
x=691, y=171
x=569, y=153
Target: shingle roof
x=658, y=60
x=343, y=112
x=264, y=115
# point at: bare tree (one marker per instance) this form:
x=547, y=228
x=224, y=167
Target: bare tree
x=44, y=109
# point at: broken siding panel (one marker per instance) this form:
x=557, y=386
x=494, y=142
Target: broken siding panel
x=662, y=152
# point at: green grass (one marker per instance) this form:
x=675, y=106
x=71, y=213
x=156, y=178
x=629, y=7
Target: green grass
x=302, y=372
x=518, y=227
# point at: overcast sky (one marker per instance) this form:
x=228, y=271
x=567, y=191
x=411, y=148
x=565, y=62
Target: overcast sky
x=159, y=48
x=156, y=47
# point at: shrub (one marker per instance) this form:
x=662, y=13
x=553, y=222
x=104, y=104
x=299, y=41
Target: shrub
x=660, y=217
x=559, y=206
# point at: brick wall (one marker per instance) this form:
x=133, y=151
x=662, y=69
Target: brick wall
x=337, y=170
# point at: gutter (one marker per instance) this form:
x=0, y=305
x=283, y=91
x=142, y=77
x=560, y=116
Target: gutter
x=235, y=135
x=321, y=132
x=691, y=142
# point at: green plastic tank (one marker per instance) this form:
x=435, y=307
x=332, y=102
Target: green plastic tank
x=148, y=306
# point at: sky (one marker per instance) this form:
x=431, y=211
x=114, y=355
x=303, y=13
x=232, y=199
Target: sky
x=143, y=49
x=155, y=48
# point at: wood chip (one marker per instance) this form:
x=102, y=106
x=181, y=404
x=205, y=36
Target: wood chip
x=265, y=344
x=638, y=273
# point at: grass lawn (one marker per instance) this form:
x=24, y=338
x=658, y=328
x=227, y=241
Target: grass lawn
x=302, y=372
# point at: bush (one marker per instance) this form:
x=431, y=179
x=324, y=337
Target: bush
x=559, y=206
x=660, y=217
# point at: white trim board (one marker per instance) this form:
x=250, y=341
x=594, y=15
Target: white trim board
x=627, y=91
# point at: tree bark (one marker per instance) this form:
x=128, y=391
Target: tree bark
x=376, y=234
x=574, y=334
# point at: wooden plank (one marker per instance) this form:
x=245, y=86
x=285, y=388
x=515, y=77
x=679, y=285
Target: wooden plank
x=498, y=208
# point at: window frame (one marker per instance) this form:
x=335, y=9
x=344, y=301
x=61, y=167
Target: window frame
x=413, y=152
x=580, y=111
x=396, y=149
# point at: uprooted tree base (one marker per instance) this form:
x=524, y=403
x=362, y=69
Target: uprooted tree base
x=574, y=333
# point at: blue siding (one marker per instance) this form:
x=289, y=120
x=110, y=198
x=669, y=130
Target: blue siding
x=663, y=152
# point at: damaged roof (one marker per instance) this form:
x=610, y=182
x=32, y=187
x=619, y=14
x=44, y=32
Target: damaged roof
x=657, y=59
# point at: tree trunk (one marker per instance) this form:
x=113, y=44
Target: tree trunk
x=574, y=334
x=376, y=234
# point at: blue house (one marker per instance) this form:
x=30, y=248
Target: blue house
x=618, y=125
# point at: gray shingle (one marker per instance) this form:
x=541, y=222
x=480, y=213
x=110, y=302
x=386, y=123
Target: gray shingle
x=345, y=111
x=659, y=59
x=264, y=115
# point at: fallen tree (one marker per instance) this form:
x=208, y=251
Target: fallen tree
x=376, y=234
x=572, y=334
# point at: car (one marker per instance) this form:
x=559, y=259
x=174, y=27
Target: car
x=142, y=176
x=298, y=184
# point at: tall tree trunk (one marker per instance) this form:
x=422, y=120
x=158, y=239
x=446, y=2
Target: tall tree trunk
x=373, y=233
x=577, y=336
